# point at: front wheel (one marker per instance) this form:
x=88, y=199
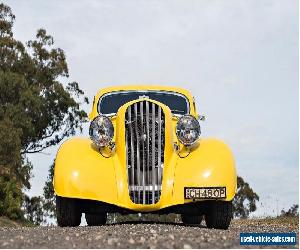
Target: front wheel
x=67, y=212
x=191, y=219
x=219, y=214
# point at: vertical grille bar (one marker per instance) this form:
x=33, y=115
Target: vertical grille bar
x=131, y=148
x=143, y=149
x=137, y=150
x=147, y=147
x=153, y=153
x=145, y=138
x=159, y=145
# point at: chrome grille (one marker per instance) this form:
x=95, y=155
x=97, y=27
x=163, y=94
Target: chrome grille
x=145, y=140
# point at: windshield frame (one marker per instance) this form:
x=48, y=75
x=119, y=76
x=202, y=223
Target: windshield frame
x=145, y=91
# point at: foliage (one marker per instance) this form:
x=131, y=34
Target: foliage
x=291, y=212
x=49, y=196
x=33, y=209
x=36, y=110
x=245, y=200
x=10, y=198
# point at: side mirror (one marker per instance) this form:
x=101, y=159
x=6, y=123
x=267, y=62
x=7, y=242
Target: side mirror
x=201, y=118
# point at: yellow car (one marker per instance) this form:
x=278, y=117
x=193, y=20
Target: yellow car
x=144, y=155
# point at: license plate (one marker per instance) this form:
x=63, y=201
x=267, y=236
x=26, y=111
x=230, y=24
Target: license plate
x=204, y=192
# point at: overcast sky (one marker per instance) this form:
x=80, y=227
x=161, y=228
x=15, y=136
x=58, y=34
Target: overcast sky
x=238, y=58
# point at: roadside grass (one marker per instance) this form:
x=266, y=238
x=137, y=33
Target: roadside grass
x=290, y=220
x=6, y=222
x=282, y=220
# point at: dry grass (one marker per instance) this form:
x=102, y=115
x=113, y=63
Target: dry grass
x=6, y=222
x=290, y=222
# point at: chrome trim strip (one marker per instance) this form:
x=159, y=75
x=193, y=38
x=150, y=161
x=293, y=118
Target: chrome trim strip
x=147, y=188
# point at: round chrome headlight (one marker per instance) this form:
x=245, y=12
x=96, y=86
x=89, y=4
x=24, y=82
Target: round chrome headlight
x=188, y=130
x=101, y=131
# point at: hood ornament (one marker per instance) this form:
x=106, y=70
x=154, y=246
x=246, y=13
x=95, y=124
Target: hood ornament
x=143, y=97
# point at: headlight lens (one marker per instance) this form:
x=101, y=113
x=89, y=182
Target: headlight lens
x=101, y=131
x=188, y=130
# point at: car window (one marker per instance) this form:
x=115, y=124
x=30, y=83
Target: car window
x=111, y=102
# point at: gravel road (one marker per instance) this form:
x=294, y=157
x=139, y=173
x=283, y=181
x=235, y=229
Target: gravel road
x=138, y=235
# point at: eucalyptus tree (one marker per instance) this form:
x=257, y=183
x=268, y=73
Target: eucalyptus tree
x=39, y=107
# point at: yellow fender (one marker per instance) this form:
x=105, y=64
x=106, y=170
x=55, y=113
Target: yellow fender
x=210, y=164
x=81, y=172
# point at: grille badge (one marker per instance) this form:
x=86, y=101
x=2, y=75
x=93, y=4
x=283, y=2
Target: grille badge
x=143, y=137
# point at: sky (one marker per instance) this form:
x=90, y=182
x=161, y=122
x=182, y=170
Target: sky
x=238, y=58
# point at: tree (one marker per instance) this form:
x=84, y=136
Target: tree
x=245, y=199
x=38, y=108
x=49, y=196
x=33, y=209
x=291, y=212
x=10, y=198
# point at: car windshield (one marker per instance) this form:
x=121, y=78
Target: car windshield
x=111, y=102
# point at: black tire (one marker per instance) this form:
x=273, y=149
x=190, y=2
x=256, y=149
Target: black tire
x=95, y=219
x=67, y=212
x=219, y=214
x=191, y=219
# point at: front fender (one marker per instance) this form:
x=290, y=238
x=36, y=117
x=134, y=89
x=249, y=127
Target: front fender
x=81, y=172
x=210, y=164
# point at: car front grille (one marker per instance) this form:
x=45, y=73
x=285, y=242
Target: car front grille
x=145, y=140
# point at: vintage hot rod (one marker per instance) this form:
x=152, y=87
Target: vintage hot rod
x=144, y=155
